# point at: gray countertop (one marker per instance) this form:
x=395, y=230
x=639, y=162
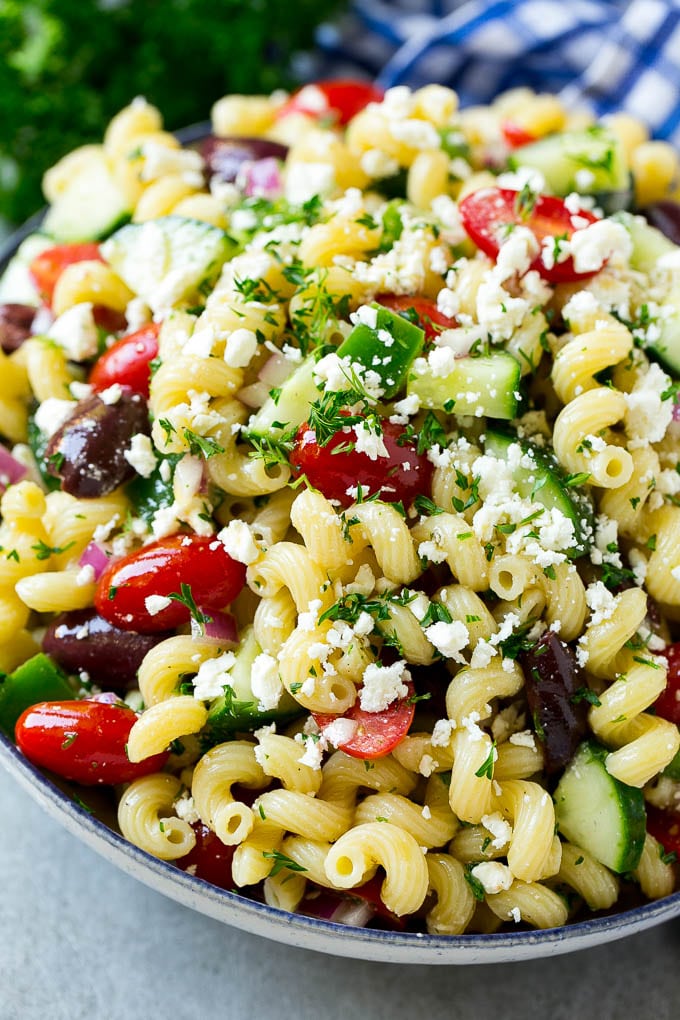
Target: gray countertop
x=80, y=940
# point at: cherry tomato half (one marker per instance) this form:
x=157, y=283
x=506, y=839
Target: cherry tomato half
x=664, y=825
x=427, y=315
x=486, y=214
x=667, y=704
x=210, y=859
x=47, y=267
x=336, y=471
x=83, y=741
x=377, y=733
x=128, y=361
x=202, y=564
x=341, y=99
x=515, y=136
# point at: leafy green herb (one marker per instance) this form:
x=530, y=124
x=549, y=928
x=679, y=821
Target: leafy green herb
x=475, y=885
x=585, y=694
x=44, y=551
x=485, y=770
x=186, y=598
x=201, y=446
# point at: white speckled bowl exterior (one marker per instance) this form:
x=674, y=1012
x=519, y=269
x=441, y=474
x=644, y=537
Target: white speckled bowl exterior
x=293, y=929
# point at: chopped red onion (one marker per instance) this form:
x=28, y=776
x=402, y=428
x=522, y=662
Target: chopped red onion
x=676, y=408
x=107, y=698
x=222, y=627
x=96, y=557
x=254, y=395
x=11, y=470
x=262, y=178
x=354, y=912
x=275, y=370
x=332, y=906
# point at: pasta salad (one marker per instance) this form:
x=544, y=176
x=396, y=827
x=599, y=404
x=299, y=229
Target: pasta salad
x=340, y=507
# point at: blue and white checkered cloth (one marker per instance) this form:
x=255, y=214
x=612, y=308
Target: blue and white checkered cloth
x=601, y=54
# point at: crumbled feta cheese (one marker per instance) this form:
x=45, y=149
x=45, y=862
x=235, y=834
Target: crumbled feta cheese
x=499, y=829
x=494, y=876
x=340, y=731
x=600, y=601
x=369, y=442
x=383, y=685
x=266, y=682
x=441, y=733
x=213, y=676
x=155, y=604
x=76, y=332
x=524, y=738
x=85, y=576
x=377, y=164
x=141, y=456
x=647, y=415
x=449, y=638
x=237, y=538
x=186, y=809
x=52, y=414
x=240, y=347
x=597, y=243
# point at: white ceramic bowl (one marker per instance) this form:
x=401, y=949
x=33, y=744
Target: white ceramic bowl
x=294, y=929
x=308, y=932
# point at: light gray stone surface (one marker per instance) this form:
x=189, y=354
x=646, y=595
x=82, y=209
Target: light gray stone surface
x=80, y=940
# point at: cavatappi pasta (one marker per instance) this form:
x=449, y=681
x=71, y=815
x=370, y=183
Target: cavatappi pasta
x=382, y=579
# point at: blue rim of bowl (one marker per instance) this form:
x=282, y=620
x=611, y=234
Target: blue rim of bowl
x=441, y=947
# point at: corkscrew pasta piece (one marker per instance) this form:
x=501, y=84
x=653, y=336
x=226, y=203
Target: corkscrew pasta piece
x=146, y=817
x=455, y=902
x=215, y=774
x=363, y=846
x=591, y=880
x=579, y=443
x=164, y=722
x=532, y=902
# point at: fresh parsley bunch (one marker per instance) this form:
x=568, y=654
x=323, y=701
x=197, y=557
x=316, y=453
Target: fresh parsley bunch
x=66, y=66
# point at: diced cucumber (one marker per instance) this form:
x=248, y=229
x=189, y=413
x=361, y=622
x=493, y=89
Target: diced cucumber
x=238, y=712
x=290, y=406
x=38, y=679
x=486, y=385
x=546, y=484
x=390, y=357
x=92, y=206
x=16, y=284
x=600, y=813
x=649, y=245
x=590, y=162
x=168, y=260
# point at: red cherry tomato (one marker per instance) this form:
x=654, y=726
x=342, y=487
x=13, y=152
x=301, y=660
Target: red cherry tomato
x=378, y=733
x=83, y=741
x=427, y=315
x=667, y=704
x=161, y=569
x=333, y=470
x=516, y=136
x=664, y=825
x=341, y=99
x=210, y=859
x=47, y=267
x=127, y=361
x=487, y=212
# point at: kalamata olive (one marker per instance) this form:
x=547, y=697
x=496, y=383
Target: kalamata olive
x=557, y=694
x=87, y=451
x=83, y=640
x=224, y=157
x=665, y=216
x=15, y=325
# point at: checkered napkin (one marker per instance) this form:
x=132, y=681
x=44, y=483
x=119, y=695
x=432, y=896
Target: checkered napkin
x=602, y=55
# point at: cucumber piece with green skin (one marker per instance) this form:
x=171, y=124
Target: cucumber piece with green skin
x=568, y=155
x=369, y=347
x=599, y=813
x=38, y=679
x=93, y=205
x=237, y=711
x=672, y=770
x=168, y=260
x=480, y=386
x=649, y=245
x=546, y=484
x=290, y=406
